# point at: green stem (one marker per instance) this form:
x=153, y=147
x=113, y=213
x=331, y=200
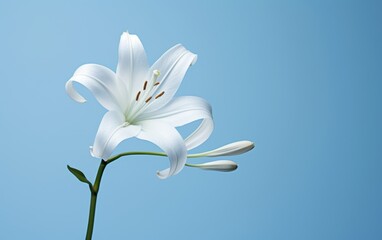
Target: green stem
x=161, y=154
x=95, y=187
x=112, y=159
x=93, y=200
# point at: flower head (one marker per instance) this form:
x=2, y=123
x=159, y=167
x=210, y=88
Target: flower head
x=140, y=102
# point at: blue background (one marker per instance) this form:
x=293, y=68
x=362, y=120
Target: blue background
x=301, y=79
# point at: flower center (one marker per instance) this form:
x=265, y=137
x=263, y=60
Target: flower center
x=145, y=97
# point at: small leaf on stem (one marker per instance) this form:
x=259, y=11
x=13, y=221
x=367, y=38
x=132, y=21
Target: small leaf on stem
x=79, y=175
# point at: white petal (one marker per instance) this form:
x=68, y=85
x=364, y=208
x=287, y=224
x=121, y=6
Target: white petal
x=169, y=140
x=172, y=66
x=220, y=165
x=201, y=134
x=102, y=83
x=231, y=149
x=111, y=132
x=183, y=110
x=132, y=63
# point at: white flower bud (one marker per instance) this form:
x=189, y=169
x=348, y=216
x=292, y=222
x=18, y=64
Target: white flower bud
x=235, y=148
x=220, y=165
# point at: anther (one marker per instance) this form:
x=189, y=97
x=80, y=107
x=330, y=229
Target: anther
x=156, y=84
x=159, y=95
x=145, y=85
x=147, y=100
x=137, y=97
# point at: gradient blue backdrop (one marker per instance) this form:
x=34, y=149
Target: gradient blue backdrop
x=301, y=79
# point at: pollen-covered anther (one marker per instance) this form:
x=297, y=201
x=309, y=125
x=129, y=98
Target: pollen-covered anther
x=159, y=95
x=147, y=100
x=144, y=85
x=137, y=97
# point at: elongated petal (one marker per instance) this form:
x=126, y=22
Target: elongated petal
x=200, y=135
x=101, y=82
x=183, y=110
x=132, y=63
x=231, y=149
x=172, y=66
x=169, y=140
x=111, y=132
x=220, y=165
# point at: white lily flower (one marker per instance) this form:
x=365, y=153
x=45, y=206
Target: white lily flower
x=231, y=149
x=220, y=165
x=140, y=102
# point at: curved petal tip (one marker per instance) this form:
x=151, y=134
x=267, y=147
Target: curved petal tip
x=73, y=94
x=194, y=60
x=92, y=152
x=163, y=174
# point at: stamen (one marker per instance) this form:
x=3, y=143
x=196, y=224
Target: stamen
x=159, y=95
x=156, y=84
x=137, y=97
x=147, y=100
x=145, y=85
